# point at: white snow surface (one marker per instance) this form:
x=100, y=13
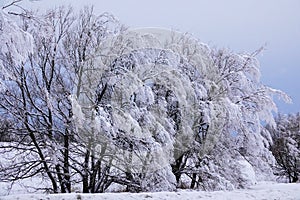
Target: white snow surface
x=262, y=191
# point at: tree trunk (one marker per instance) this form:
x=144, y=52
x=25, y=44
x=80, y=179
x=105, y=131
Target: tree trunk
x=193, y=183
x=85, y=178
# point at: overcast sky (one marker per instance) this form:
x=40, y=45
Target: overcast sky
x=241, y=25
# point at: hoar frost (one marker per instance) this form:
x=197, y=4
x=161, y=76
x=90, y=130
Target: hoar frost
x=148, y=109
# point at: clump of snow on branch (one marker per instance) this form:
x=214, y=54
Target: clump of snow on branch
x=15, y=42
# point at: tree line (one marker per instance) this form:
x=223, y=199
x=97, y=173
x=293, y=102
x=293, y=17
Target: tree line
x=88, y=104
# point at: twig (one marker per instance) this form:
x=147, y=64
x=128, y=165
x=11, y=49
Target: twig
x=11, y=4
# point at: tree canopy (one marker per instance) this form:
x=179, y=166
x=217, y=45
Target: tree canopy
x=95, y=105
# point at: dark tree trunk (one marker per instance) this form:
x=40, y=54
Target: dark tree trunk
x=85, y=178
x=66, y=163
x=193, y=183
x=294, y=179
x=176, y=168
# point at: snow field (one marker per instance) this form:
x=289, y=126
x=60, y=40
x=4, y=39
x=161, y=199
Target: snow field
x=261, y=191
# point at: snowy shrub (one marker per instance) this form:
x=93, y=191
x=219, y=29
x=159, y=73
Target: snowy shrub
x=286, y=146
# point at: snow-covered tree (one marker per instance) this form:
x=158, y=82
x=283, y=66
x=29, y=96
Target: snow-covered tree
x=37, y=95
x=32, y=98
x=286, y=146
x=204, y=100
x=96, y=105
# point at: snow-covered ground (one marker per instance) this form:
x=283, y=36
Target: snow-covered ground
x=262, y=191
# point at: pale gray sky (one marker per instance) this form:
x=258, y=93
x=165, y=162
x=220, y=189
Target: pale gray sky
x=241, y=25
